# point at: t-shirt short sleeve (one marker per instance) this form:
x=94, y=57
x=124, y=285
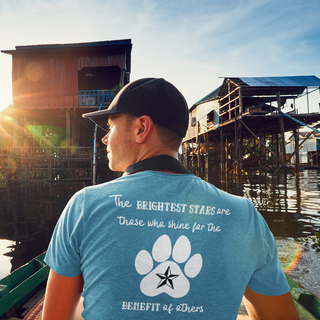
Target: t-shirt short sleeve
x=63, y=254
x=268, y=277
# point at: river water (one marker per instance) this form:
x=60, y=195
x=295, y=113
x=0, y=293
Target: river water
x=290, y=205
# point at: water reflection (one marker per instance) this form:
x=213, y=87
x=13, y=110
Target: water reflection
x=28, y=214
x=290, y=204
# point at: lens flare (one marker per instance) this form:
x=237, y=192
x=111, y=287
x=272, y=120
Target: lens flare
x=289, y=253
x=33, y=71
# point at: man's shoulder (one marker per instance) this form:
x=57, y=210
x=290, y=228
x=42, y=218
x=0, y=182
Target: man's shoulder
x=102, y=187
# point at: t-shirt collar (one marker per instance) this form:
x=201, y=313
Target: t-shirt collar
x=158, y=163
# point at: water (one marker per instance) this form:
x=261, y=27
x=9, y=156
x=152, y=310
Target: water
x=28, y=214
x=290, y=205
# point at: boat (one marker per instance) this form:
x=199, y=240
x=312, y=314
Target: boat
x=20, y=286
x=23, y=285
x=307, y=304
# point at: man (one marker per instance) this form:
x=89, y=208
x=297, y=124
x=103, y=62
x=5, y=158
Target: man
x=159, y=242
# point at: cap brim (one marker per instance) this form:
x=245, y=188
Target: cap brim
x=100, y=118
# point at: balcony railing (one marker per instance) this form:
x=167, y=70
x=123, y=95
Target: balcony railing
x=95, y=97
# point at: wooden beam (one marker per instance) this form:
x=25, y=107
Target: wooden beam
x=235, y=107
x=281, y=128
x=223, y=160
x=296, y=146
x=257, y=138
x=207, y=155
x=229, y=94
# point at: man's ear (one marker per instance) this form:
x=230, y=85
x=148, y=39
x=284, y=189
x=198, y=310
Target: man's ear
x=143, y=128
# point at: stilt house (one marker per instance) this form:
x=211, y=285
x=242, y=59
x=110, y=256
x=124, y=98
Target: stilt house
x=52, y=86
x=241, y=127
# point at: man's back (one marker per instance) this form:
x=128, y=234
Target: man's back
x=163, y=245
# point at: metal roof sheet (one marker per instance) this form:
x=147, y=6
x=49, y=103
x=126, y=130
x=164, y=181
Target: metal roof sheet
x=295, y=81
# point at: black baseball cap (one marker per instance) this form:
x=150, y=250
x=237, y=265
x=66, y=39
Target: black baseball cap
x=156, y=98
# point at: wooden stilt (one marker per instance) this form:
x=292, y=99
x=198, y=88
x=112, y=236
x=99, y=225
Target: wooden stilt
x=239, y=155
x=296, y=146
x=207, y=156
x=222, y=160
x=283, y=144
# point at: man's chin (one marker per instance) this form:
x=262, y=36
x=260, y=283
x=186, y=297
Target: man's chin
x=114, y=167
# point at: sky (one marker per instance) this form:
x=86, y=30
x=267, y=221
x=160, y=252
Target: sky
x=191, y=43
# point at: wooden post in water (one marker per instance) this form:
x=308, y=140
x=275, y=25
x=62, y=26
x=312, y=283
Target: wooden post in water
x=283, y=144
x=277, y=150
x=198, y=156
x=207, y=156
x=296, y=146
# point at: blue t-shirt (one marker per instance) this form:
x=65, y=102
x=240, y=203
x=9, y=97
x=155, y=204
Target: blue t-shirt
x=158, y=245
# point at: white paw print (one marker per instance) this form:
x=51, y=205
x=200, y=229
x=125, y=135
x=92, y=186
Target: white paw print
x=167, y=276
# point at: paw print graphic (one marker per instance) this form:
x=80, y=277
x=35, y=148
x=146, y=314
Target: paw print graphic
x=167, y=276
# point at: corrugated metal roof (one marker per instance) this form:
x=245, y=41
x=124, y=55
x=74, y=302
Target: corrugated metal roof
x=295, y=81
x=251, y=86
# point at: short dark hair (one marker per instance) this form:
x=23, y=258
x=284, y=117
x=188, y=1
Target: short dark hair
x=169, y=138
x=129, y=118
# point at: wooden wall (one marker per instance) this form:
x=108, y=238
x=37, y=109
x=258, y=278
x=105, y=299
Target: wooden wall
x=48, y=79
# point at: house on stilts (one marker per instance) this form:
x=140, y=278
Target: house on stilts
x=43, y=132
x=241, y=127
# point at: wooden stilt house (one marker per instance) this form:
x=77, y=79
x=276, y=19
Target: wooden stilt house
x=241, y=126
x=52, y=86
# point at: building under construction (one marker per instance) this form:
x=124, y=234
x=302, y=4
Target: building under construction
x=241, y=127
x=43, y=133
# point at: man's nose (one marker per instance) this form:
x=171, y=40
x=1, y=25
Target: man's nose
x=105, y=139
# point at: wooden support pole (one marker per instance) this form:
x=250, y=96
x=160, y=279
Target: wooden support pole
x=260, y=151
x=281, y=128
x=94, y=157
x=267, y=148
x=193, y=152
x=229, y=101
x=239, y=155
x=235, y=162
x=296, y=146
x=301, y=143
x=226, y=152
x=187, y=150
x=207, y=155
x=198, y=155
x=277, y=150
x=223, y=160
